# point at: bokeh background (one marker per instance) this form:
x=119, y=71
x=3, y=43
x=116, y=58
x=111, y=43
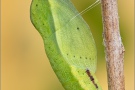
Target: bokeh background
x=24, y=63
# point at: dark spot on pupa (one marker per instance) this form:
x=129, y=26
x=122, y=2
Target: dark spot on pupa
x=96, y=85
x=91, y=77
x=80, y=57
x=77, y=28
x=36, y=5
x=74, y=56
x=67, y=54
x=85, y=57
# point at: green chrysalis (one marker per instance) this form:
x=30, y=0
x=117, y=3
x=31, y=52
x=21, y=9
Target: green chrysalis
x=69, y=44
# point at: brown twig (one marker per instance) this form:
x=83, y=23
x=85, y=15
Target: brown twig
x=114, y=48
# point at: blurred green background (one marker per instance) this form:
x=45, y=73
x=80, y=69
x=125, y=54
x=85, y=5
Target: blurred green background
x=24, y=63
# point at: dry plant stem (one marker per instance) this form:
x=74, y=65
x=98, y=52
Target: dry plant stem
x=114, y=48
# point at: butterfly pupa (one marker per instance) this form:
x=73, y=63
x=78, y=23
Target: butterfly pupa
x=68, y=42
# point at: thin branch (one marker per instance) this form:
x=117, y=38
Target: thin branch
x=114, y=48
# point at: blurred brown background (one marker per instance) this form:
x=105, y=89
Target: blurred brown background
x=24, y=62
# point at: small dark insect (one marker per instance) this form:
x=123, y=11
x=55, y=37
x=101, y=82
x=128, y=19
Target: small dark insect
x=91, y=77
